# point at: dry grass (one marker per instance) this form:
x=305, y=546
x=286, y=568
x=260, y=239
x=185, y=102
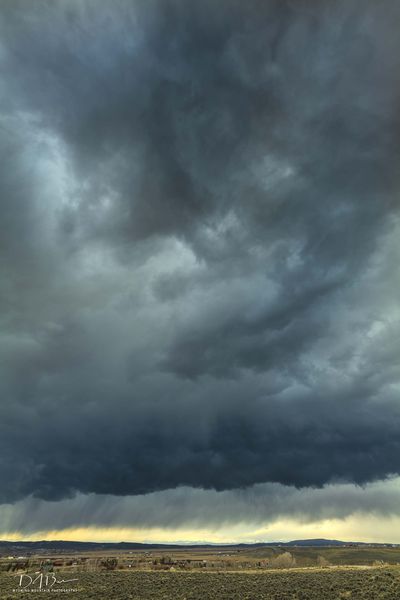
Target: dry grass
x=293, y=584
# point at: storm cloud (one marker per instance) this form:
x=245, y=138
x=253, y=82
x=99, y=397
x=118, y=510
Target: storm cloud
x=259, y=505
x=199, y=245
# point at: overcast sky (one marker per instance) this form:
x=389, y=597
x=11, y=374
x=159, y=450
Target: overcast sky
x=199, y=287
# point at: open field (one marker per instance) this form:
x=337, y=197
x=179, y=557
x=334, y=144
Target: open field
x=222, y=558
x=225, y=573
x=293, y=584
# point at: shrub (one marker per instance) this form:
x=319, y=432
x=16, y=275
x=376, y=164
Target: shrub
x=283, y=561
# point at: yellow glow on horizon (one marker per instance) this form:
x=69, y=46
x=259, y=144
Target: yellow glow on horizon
x=363, y=528
x=125, y=534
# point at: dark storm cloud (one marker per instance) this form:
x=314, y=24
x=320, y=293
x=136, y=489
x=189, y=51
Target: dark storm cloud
x=199, y=257
x=188, y=507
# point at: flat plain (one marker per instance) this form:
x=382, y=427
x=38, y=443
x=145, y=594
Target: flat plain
x=348, y=573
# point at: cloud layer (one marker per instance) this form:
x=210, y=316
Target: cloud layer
x=199, y=250
x=200, y=510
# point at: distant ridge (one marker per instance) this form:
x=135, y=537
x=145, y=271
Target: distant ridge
x=82, y=546
x=322, y=542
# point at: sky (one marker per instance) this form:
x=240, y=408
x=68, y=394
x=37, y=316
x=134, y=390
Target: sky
x=199, y=270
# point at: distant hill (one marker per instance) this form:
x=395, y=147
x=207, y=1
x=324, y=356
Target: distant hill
x=321, y=542
x=66, y=546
